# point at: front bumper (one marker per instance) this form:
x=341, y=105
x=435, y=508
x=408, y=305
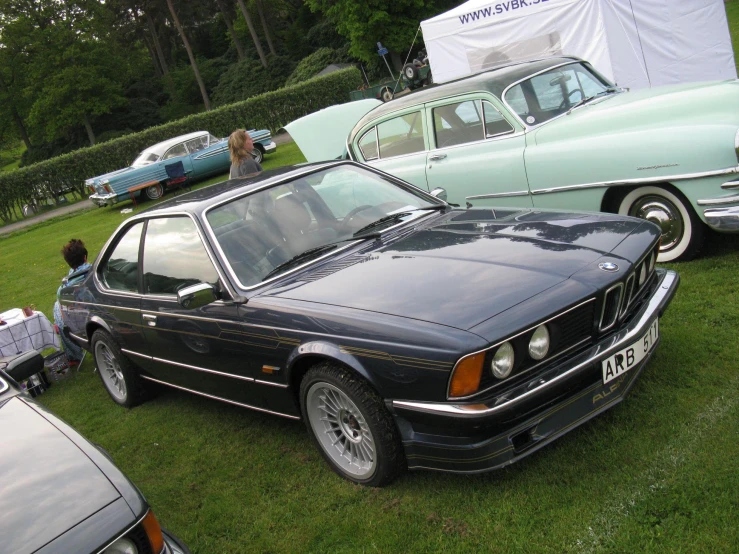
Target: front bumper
x=270, y=146
x=104, y=199
x=173, y=545
x=723, y=220
x=486, y=435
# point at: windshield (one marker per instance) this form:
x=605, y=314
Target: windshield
x=145, y=158
x=258, y=232
x=552, y=93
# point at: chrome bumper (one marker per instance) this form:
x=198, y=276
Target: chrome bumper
x=724, y=220
x=637, y=327
x=270, y=146
x=104, y=199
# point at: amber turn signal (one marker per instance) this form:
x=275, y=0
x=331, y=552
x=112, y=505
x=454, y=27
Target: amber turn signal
x=466, y=376
x=154, y=532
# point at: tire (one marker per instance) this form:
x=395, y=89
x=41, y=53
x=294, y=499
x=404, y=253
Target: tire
x=257, y=154
x=118, y=374
x=386, y=94
x=350, y=426
x=410, y=72
x=154, y=192
x=682, y=231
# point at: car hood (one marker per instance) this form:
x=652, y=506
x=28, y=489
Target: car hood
x=667, y=107
x=48, y=484
x=467, y=266
x=322, y=135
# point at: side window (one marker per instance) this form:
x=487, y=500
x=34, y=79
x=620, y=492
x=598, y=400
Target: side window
x=197, y=144
x=495, y=123
x=212, y=140
x=458, y=123
x=120, y=270
x=517, y=101
x=174, y=256
x=368, y=144
x=401, y=135
x=175, y=151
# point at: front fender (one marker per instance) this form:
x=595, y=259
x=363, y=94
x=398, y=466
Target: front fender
x=299, y=360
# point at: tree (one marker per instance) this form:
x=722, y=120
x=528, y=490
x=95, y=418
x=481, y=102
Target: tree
x=229, y=25
x=253, y=33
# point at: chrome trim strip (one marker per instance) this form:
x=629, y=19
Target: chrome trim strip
x=724, y=220
x=506, y=340
x=79, y=338
x=109, y=306
x=647, y=180
x=498, y=195
x=473, y=143
x=618, y=306
x=204, y=370
x=3, y=386
x=101, y=551
x=600, y=351
x=719, y=201
x=730, y=185
x=279, y=385
x=288, y=416
x=132, y=353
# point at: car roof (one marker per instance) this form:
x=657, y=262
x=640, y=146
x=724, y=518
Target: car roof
x=495, y=80
x=161, y=147
x=196, y=201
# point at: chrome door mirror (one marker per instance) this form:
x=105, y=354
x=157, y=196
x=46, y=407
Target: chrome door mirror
x=196, y=296
x=439, y=193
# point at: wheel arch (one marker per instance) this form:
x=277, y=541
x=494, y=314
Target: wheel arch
x=93, y=325
x=259, y=146
x=615, y=194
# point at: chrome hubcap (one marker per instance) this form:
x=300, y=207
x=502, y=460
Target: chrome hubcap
x=341, y=429
x=154, y=192
x=110, y=371
x=664, y=213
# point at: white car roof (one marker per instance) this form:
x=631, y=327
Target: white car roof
x=160, y=148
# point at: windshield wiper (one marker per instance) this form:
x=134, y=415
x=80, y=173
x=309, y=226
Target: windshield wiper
x=316, y=250
x=609, y=90
x=396, y=217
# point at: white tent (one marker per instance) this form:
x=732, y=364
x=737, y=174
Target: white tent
x=636, y=43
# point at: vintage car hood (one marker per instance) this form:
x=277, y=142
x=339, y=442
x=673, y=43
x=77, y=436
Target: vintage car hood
x=322, y=135
x=48, y=484
x=464, y=269
x=668, y=107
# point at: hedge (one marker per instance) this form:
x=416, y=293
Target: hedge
x=270, y=110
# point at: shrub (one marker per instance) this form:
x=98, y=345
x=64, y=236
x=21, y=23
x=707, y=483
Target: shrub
x=271, y=110
x=310, y=65
x=249, y=78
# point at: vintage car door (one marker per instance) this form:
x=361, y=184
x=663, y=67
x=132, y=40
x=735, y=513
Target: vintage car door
x=398, y=145
x=177, y=153
x=207, y=155
x=477, y=153
x=196, y=349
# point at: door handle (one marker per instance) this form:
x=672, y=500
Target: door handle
x=151, y=320
x=436, y=157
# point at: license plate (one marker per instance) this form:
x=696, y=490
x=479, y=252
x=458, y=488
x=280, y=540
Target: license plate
x=623, y=360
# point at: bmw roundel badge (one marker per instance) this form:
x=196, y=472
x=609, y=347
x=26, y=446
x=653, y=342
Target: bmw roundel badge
x=608, y=266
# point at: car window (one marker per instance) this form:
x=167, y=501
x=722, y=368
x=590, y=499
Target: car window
x=212, y=140
x=545, y=96
x=174, y=256
x=145, y=158
x=458, y=123
x=401, y=135
x=120, y=270
x=260, y=231
x=197, y=144
x=368, y=144
x=495, y=123
x=175, y=151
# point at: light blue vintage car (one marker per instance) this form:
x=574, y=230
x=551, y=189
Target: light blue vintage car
x=202, y=155
x=554, y=133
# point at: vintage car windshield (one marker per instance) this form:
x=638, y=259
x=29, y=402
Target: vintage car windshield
x=261, y=231
x=549, y=94
x=145, y=158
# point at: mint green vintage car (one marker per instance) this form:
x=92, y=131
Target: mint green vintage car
x=554, y=133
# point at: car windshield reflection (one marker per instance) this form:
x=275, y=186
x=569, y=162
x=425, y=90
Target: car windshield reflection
x=261, y=231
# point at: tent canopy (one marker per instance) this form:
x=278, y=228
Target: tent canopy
x=637, y=44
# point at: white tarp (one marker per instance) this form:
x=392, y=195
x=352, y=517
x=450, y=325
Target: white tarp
x=636, y=43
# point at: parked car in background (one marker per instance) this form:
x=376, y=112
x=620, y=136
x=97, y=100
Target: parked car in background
x=555, y=133
x=62, y=494
x=401, y=330
x=201, y=154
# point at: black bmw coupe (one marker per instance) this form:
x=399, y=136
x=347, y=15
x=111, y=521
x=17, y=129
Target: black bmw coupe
x=405, y=332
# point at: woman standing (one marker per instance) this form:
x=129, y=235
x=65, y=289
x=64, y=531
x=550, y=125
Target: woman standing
x=241, y=146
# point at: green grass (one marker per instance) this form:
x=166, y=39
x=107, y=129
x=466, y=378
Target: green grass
x=732, y=14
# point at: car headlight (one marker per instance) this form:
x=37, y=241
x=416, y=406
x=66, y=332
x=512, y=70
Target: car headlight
x=539, y=343
x=503, y=359
x=122, y=546
x=652, y=258
x=643, y=273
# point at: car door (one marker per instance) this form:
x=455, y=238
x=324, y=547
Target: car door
x=177, y=153
x=477, y=153
x=397, y=145
x=197, y=349
x=208, y=156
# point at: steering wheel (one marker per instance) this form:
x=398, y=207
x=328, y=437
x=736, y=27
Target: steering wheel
x=566, y=100
x=348, y=217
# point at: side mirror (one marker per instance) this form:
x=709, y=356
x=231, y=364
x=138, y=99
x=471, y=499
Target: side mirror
x=439, y=193
x=196, y=296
